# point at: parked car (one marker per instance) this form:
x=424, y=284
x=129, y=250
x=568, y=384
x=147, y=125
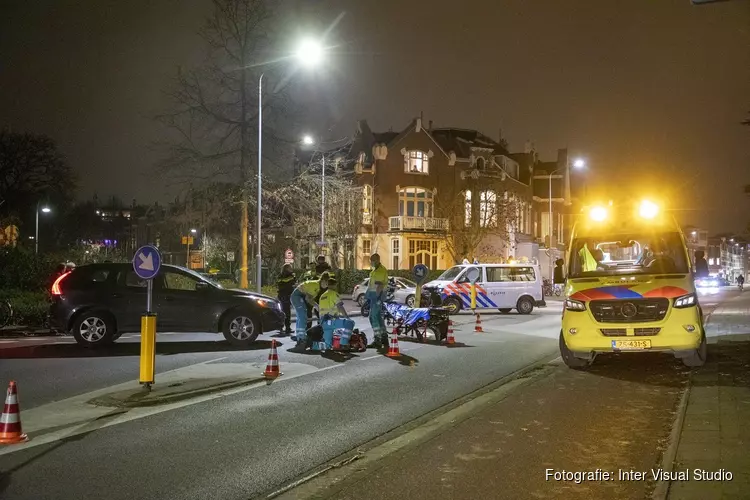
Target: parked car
x=99, y=302
x=404, y=293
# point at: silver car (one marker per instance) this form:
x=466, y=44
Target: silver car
x=404, y=293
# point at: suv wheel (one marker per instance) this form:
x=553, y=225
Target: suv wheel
x=240, y=329
x=361, y=299
x=94, y=329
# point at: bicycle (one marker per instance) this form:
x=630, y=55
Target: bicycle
x=6, y=313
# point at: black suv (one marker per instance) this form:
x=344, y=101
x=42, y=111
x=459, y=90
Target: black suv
x=99, y=302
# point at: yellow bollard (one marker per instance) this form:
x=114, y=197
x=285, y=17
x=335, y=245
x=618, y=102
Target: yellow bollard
x=473, y=297
x=148, y=349
x=418, y=296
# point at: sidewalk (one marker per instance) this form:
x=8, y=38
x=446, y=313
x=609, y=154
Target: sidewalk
x=716, y=431
x=612, y=418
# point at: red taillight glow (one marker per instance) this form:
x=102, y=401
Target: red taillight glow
x=56, y=286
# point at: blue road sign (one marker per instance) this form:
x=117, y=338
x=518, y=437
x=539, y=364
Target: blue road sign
x=146, y=262
x=420, y=273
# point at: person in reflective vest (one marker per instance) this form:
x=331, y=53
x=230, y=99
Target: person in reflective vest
x=376, y=290
x=285, y=285
x=305, y=294
x=330, y=307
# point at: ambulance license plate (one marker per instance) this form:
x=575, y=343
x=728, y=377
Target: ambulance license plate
x=631, y=344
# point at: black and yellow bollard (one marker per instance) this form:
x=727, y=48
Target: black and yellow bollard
x=148, y=349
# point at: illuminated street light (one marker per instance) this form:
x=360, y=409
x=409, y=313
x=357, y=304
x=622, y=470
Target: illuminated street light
x=309, y=54
x=193, y=231
x=579, y=163
x=308, y=140
x=45, y=210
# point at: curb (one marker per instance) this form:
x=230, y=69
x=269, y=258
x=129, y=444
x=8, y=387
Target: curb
x=136, y=400
x=661, y=492
x=314, y=483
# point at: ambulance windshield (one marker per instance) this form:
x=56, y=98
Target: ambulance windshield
x=638, y=253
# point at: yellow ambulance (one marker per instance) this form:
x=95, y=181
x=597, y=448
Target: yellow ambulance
x=630, y=287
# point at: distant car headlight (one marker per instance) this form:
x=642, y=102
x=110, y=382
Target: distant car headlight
x=574, y=305
x=688, y=300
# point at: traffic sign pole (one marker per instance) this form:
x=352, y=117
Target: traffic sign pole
x=146, y=264
x=420, y=275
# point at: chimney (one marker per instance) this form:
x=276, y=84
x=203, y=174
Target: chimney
x=430, y=129
x=527, y=148
x=418, y=128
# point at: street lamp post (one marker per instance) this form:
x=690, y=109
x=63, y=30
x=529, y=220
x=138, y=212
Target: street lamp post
x=308, y=140
x=46, y=210
x=309, y=53
x=577, y=163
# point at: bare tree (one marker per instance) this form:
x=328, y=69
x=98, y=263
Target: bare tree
x=214, y=118
x=483, y=220
x=301, y=199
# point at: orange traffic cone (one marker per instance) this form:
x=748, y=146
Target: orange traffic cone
x=450, y=339
x=478, y=324
x=272, y=367
x=393, y=351
x=10, y=421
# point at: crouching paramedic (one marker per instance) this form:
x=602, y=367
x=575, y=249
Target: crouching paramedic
x=375, y=295
x=330, y=307
x=305, y=294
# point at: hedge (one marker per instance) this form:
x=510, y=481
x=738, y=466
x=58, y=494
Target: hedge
x=29, y=308
x=23, y=270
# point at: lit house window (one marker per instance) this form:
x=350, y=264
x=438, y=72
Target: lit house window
x=487, y=209
x=366, y=247
x=395, y=253
x=416, y=162
x=367, y=204
x=415, y=202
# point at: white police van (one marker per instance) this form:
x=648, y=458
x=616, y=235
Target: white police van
x=500, y=286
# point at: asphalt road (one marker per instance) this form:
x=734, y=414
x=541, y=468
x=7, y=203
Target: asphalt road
x=239, y=445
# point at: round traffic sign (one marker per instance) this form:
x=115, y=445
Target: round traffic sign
x=473, y=274
x=420, y=273
x=146, y=262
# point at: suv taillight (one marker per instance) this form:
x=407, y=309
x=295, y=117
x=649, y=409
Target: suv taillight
x=56, y=290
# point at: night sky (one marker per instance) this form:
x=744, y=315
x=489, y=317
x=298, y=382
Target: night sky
x=645, y=90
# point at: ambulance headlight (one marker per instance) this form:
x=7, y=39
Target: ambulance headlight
x=648, y=209
x=688, y=300
x=574, y=305
x=598, y=214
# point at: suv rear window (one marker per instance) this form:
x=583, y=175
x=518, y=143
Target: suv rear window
x=86, y=275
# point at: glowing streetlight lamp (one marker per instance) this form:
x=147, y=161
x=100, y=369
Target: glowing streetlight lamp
x=45, y=209
x=308, y=140
x=309, y=54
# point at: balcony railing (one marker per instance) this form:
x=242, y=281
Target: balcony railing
x=406, y=223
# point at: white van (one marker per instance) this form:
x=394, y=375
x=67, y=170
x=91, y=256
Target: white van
x=500, y=286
